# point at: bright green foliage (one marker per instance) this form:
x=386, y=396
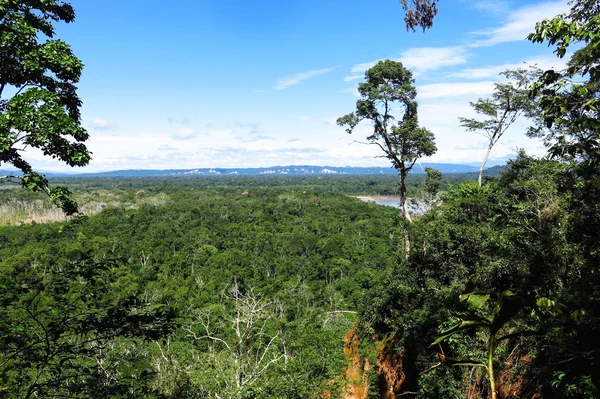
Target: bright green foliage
x=388, y=103
x=428, y=193
x=300, y=260
x=509, y=101
x=39, y=106
x=432, y=183
x=570, y=99
x=508, y=235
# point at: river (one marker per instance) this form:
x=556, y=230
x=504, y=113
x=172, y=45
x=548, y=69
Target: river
x=390, y=201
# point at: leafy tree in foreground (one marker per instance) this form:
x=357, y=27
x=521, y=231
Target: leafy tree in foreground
x=570, y=101
x=39, y=106
x=57, y=324
x=492, y=320
x=387, y=90
x=509, y=101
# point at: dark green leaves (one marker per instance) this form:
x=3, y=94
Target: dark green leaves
x=44, y=111
x=569, y=98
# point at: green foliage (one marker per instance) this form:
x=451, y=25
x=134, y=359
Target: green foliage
x=514, y=234
x=569, y=98
x=569, y=103
x=433, y=182
x=301, y=268
x=43, y=112
x=507, y=305
x=57, y=323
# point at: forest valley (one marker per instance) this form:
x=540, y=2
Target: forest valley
x=289, y=287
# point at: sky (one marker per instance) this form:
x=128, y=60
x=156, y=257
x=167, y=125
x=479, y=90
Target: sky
x=240, y=83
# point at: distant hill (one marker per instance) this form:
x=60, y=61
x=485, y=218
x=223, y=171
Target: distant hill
x=292, y=170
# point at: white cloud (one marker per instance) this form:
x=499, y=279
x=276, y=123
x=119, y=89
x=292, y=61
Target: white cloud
x=166, y=147
x=491, y=6
x=439, y=115
x=184, y=120
x=350, y=78
x=354, y=152
x=419, y=60
x=492, y=71
x=298, y=78
x=185, y=133
x=431, y=58
x=331, y=121
x=520, y=23
x=100, y=124
x=438, y=90
x=352, y=90
x=361, y=68
x=253, y=136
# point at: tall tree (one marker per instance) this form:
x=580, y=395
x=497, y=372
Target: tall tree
x=388, y=102
x=39, y=105
x=509, y=101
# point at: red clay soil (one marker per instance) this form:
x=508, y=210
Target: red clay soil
x=356, y=373
x=390, y=369
x=392, y=379
x=389, y=372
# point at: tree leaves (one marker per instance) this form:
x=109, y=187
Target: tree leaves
x=44, y=112
x=569, y=98
x=419, y=13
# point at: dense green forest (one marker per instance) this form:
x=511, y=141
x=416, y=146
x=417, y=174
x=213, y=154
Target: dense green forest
x=208, y=292
x=94, y=194
x=290, y=287
x=197, y=291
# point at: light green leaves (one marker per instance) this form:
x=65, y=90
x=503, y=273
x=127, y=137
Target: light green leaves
x=467, y=323
x=475, y=301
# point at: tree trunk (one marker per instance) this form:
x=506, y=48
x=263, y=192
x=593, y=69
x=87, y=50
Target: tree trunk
x=487, y=155
x=404, y=204
x=490, y=366
x=403, y=197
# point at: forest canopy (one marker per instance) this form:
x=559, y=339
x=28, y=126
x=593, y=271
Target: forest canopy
x=290, y=287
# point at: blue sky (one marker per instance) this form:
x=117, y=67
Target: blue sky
x=240, y=83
